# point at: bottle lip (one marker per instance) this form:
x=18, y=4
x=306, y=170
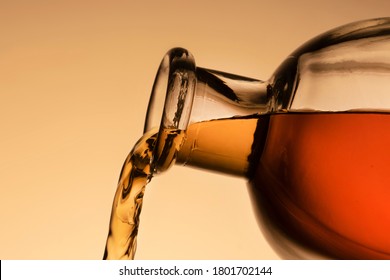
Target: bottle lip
x=173, y=90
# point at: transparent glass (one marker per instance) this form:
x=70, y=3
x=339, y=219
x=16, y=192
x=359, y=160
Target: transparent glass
x=312, y=140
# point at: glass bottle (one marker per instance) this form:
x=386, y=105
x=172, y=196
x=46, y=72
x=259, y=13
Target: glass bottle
x=313, y=140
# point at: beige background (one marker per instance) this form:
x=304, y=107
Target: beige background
x=75, y=78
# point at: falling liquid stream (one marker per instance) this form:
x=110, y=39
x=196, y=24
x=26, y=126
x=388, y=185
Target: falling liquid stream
x=126, y=209
x=153, y=149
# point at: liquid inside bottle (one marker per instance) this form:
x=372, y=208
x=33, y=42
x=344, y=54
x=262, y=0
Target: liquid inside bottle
x=319, y=182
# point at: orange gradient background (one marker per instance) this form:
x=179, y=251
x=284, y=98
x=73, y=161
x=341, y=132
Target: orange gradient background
x=75, y=79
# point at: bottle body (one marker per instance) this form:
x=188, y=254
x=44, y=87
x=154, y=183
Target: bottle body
x=322, y=182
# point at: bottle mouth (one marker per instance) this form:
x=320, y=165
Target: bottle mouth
x=170, y=106
x=173, y=92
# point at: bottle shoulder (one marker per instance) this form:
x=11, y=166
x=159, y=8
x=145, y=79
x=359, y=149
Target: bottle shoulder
x=336, y=70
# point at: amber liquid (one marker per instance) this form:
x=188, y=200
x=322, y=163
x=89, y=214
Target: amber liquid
x=126, y=208
x=322, y=184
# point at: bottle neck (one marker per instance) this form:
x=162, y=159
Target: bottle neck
x=220, y=95
x=224, y=117
x=208, y=117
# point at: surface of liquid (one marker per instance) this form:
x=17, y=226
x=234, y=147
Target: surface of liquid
x=322, y=185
